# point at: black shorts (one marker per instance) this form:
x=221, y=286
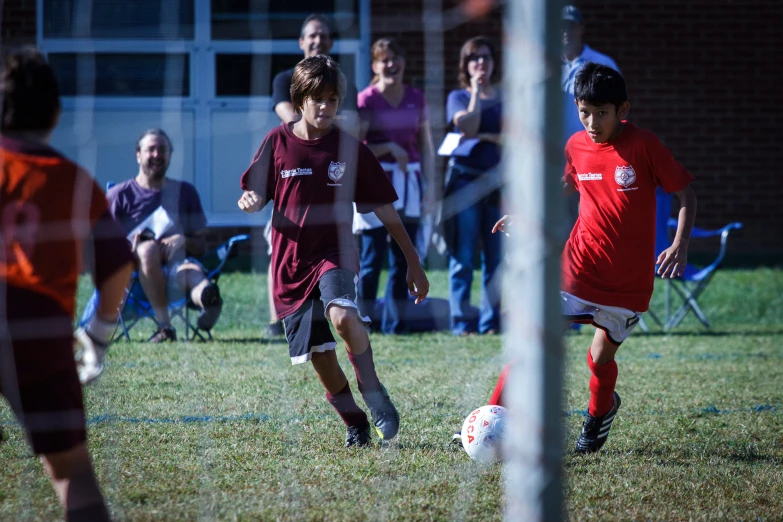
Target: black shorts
x=307, y=329
x=38, y=374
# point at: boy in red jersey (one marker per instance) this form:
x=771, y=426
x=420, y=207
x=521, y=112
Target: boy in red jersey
x=314, y=172
x=608, y=263
x=49, y=206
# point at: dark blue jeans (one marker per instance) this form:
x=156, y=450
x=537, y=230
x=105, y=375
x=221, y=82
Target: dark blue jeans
x=374, y=248
x=472, y=224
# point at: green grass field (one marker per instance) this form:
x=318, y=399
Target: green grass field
x=229, y=430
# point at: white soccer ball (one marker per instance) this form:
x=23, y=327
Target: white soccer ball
x=482, y=433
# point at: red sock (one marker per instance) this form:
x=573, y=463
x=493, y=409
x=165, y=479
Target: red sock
x=602, y=384
x=364, y=368
x=497, y=395
x=350, y=413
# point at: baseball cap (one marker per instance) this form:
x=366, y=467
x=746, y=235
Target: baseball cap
x=572, y=14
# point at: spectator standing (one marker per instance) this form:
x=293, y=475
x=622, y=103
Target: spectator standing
x=575, y=55
x=475, y=111
x=395, y=126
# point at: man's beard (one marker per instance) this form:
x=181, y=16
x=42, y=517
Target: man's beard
x=156, y=172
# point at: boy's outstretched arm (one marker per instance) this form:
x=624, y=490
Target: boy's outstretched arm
x=671, y=262
x=418, y=284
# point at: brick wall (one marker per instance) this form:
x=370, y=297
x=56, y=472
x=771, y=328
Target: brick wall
x=18, y=22
x=705, y=77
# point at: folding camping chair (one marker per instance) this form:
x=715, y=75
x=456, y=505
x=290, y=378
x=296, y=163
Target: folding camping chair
x=136, y=307
x=692, y=283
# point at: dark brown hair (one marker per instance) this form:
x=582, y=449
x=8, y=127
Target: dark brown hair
x=469, y=48
x=383, y=45
x=154, y=132
x=30, y=92
x=315, y=76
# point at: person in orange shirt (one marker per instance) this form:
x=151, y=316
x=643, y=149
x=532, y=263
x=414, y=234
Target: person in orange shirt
x=49, y=207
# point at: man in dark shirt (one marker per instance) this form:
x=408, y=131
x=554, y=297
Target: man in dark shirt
x=162, y=260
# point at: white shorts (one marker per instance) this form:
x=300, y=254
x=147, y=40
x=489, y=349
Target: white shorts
x=616, y=322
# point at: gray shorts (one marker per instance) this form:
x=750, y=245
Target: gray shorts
x=307, y=329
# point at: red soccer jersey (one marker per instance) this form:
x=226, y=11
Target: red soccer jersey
x=314, y=185
x=609, y=258
x=48, y=207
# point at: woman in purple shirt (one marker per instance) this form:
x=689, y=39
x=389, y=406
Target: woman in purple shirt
x=395, y=127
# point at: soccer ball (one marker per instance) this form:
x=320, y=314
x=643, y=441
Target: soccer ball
x=482, y=433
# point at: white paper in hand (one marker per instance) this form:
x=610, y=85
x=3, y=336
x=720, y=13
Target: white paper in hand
x=455, y=144
x=159, y=222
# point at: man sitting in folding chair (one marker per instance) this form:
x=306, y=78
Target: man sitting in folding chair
x=161, y=247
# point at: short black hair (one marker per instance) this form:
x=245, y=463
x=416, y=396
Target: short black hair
x=315, y=76
x=30, y=92
x=316, y=17
x=598, y=85
x=154, y=132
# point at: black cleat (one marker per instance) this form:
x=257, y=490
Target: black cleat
x=356, y=436
x=595, y=430
x=456, y=439
x=384, y=414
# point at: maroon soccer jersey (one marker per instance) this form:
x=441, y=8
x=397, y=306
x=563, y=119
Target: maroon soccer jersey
x=609, y=258
x=313, y=185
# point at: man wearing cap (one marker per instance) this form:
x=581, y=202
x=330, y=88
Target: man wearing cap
x=576, y=53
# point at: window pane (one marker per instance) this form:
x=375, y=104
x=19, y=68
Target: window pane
x=252, y=74
x=276, y=19
x=140, y=19
x=135, y=75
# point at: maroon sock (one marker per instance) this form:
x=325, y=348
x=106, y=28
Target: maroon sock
x=349, y=412
x=364, y=367
x=602, y=384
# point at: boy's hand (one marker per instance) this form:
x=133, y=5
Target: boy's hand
x=250, y=202
x=503, y=225
x=418, y=284
x=671, y=262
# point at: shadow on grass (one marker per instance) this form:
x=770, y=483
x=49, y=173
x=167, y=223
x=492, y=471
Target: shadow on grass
x=250, y=340
x=684, y=457
x=716, y=333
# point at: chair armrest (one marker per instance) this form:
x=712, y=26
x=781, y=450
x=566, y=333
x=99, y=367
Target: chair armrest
x=704, y=232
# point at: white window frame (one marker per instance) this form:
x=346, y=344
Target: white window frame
x=202, y=100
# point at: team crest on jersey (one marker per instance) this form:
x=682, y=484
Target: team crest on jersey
x=336, y=170
x=625, y=176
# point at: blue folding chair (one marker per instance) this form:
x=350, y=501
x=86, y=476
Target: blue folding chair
x=136, y=307
x=692, y=283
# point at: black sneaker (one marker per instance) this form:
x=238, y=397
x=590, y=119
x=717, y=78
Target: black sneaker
x=274, y=329
x=384, y=414
x=164, y=333
x=595, y=430
x=356, y=436
x=212, y=306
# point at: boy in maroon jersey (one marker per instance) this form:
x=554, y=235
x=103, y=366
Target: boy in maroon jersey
x=49, y=206
x=314, y=172
x=608, y=263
